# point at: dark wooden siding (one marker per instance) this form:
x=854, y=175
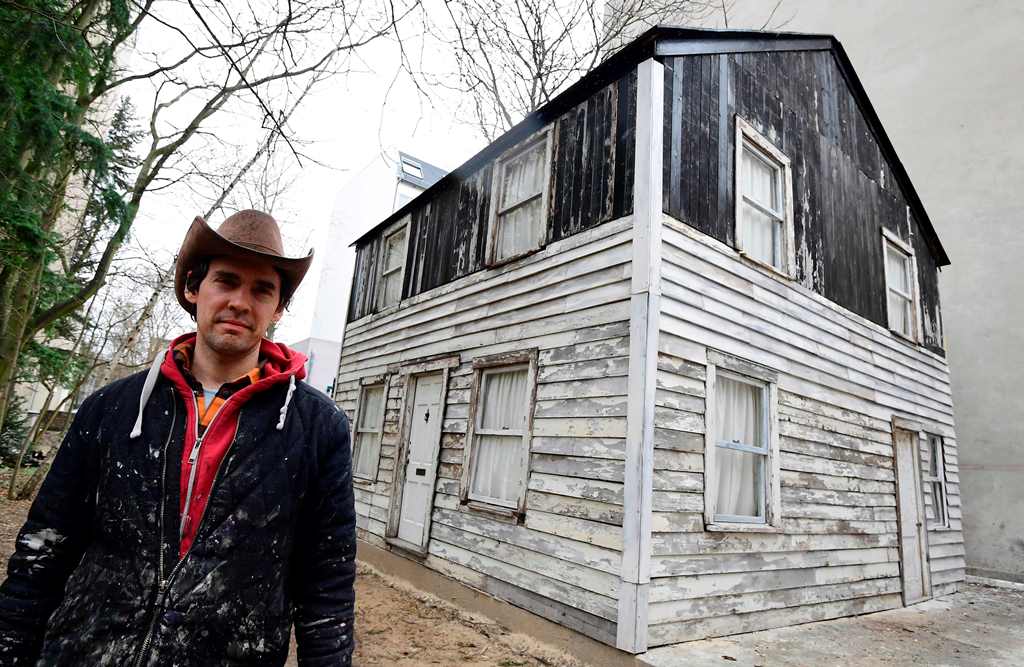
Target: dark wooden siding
x=843, y=189
x=591, y=183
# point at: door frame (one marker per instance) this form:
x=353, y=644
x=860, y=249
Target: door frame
x=915, y=429
x=409, y=372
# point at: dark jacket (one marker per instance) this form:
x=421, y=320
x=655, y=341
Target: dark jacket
x=276, y=543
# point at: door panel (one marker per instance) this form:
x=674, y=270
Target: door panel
x=421, y=461
x=913, y=539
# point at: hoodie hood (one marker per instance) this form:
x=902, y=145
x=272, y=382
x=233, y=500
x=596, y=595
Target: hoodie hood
x=279, y=362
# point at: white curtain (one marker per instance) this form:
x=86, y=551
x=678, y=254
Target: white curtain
x=738, y=407
x=497, y=458
x=760, y=233
x=394, y=258
x=522, y=178
x=371, y=413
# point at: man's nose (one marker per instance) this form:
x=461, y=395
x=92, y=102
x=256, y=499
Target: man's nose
x=239, y=302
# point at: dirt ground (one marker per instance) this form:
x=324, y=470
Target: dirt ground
x=395, y=625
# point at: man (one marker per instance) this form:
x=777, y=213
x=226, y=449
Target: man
x=195, y=510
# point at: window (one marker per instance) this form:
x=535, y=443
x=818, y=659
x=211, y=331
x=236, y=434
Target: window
x=764, y=222
x=369, y=426
x=392, y=264
x=900, y=285
x=935, y=480
x=741, y=454
x=518, y=219
x=411, y=168
x=498, y=456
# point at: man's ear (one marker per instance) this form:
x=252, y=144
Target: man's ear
x=190, y=296
x=276, y=317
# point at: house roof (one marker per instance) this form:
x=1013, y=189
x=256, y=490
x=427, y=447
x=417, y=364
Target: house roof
x=417, y=172
x=667, y=41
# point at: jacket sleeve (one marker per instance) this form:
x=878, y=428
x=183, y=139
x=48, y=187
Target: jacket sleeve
x=325, y=555
x=50, y=544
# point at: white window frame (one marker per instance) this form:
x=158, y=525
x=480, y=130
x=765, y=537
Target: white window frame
x=890, y=239
x=747, y=135
x=402, y=226
x=937, y=481
x=481, y=367
x=744, y=371
x=496, y=184
x=365, y=385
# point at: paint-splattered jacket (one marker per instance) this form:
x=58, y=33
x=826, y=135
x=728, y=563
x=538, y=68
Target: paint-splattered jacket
x=276, y=543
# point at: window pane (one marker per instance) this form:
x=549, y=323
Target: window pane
x=740, y=482
x=371, y=408
x=522, y=176
x=394, y=251
x=934, y=446
x=392, y=288
x=938, y=503
x=365, y=453
x=760, y=179
x=519, y=230
x=761, y=236
x=502, y=402
x=897, y=269
x=899, y=314
x=740, y=412
x=496, y=467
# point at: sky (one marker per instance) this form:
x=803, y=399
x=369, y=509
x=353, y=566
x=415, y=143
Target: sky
x=344, y=124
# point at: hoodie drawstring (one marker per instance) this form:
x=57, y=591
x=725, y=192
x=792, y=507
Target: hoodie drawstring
x=147, y=391
x=287, y=400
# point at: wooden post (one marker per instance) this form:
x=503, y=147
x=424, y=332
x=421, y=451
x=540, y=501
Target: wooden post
x=645, y=304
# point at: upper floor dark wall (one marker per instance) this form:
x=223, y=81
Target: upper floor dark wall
x=590, y=182
x=844, y=190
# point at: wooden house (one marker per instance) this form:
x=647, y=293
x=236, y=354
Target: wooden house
x=665, y=361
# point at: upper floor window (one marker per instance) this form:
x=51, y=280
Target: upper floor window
x=764, y=186
x=498, y=450
x=392, y=265
x=935, y=479
x=369, y=429
x=518, y=214
x=741, y=455
x=900, y=285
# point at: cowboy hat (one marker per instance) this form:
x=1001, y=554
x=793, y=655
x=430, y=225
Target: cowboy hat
x=249, y=234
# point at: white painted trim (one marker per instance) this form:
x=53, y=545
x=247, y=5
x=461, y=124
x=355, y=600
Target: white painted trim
x=645, y=290
x=404, y=222
x=747, y=132
x=542, y=135
x=385, y=383
x=773, y=484
x=916, y=324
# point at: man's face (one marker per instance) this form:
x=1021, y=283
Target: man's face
x=237, y=301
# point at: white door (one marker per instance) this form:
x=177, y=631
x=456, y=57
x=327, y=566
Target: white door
x=913, y=547
x=421, y=462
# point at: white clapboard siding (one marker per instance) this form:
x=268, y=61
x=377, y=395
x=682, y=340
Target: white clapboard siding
x=570, y=302
x=841, y=380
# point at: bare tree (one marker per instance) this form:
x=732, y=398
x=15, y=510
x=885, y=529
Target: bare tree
x=249, y=59
x=512, y=57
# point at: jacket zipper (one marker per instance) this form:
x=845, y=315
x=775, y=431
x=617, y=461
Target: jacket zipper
x=164, y=584
x=160, y=541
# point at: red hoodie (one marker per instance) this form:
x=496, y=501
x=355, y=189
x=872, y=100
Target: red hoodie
x=279, y=364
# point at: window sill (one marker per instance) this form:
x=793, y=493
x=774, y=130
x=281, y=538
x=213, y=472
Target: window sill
x=508, y=260
x=939, y=528
x=497, y=512
x=722, y=527
x=362, y=481
x=756, y=263
x=904, y=336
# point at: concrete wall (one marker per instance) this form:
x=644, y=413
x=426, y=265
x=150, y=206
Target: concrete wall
x=944, y=77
